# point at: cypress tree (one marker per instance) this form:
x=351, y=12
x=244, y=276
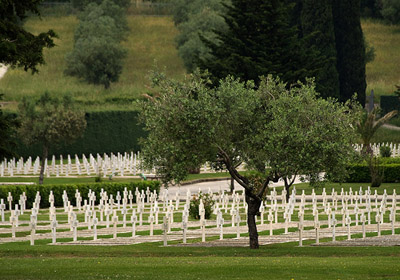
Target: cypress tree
x=260, y=40
x=319, y=35
x=350, y=49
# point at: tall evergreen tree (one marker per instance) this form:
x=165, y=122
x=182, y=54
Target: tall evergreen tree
x=319, y=35
x=350, y=49
x=260, y=40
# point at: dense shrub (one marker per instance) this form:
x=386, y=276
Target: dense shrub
x=385, y=151
x=195, y=203
x=110, y=188
x=360, y=173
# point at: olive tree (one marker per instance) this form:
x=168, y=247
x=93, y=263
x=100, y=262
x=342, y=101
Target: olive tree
x=277, y=131
x=49, y=121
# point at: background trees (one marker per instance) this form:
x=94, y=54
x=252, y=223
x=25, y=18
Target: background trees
x=350, y=49
x=292, y=39
x=19, y=47
x=97, y=56
x=49, y=121
x=189, y=124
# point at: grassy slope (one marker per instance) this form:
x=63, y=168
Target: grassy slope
x=151, y=39
x=383, y=73
x=149, y=261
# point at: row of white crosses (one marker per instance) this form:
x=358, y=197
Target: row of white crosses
x=121, y=164
x=358, y=204
x=395, y=148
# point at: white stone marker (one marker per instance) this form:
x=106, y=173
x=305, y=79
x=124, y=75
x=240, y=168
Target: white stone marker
x=184, y=229
x=13, y=221
x=333, y=223
x=317, y=227
x=392, y=218
x=54, y=225
x=151, y=221
x=203, y=230
x=95, y=222
x=378, y=222
x=2, y=209
x=133, y=220
x=33, y=229
x=75, y=224
x=301, y=228
x=9, y=199
x=348, y=223
x=115, y=222
x=238, y=225
x=165, y=229
x=363, y=221
x=270, y=220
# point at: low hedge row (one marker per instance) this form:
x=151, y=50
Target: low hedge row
x=110, y=188
x=359, y=173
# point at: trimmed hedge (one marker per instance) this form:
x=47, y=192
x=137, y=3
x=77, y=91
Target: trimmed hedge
x=389, y=103
x=359, y=173
x=106, y=132
x=110, y=188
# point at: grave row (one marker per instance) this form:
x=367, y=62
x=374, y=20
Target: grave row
x=127, y=164
x=159, y=214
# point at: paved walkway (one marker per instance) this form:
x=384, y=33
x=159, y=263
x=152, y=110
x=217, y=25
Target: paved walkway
x=215, y=186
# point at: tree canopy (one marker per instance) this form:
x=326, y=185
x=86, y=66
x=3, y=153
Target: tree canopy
x=277, y=132
x=49, y=121
x=18, y=47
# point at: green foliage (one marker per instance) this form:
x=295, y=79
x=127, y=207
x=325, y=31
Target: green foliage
x=259, y=41
x=391, y=11
x=208, y=203
x=361, y=173
x=19, y=47
x=371, y=8
x=106, y=132
x=292, y=131
x=49, y=121
x=367, y=126
x=96, y=60
x=82, y=4
x=202, y=20
x=110, y=188
x=8, y=125
x=389, y=103
x=350, y=49
x=385, y=151
x=317, y=27
x=97, y=56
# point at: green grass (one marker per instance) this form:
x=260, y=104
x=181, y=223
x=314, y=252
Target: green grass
x=150, y=39
x=150, y=261
x=383, y=73
x=385, y=135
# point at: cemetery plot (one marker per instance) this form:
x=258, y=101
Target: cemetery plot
x=127, y=164
x=140, y=217
x=119, y=165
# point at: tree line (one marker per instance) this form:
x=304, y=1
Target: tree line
x=292, y=39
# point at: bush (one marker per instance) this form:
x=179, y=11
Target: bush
x=110, y=188
x=391, y=11
x=360, y=173
x=195, y=203
x=385, y=151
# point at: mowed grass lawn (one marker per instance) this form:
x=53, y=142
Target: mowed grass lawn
x=151, y=261
x=150, y=40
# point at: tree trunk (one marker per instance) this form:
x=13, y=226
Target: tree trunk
x=287, y=188
x=232, y=184
x=44, y=156
x=253, y=206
